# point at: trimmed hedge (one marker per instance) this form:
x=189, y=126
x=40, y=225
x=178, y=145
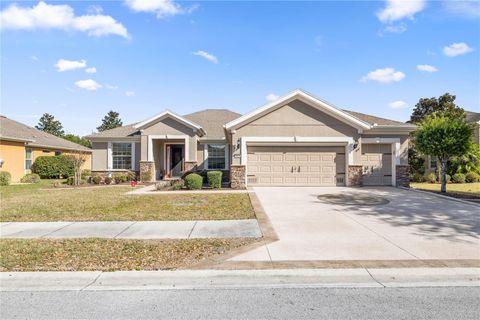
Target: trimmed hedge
x=30, y=178
x=194, y=181
x=5, y=178
x=50, y=167
x=215, y=179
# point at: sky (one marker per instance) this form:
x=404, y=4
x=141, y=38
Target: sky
x=77, y=60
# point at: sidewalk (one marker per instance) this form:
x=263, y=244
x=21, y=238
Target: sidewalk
x=133, y=229
x=205, y=279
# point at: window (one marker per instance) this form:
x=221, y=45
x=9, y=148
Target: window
x=216, y=155
x=28, y=159
x=122, y=156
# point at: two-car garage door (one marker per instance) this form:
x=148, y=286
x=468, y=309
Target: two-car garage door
x=286, y=165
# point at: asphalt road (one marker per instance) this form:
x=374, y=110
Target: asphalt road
x=279, y=303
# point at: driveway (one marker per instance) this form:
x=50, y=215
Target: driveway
x=405, y=225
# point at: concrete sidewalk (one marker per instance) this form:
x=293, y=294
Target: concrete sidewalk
x=205, y=279
x=132, y=229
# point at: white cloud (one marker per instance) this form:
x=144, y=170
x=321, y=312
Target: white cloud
x=271, y=97
x=129, y=93
x=89, y=84
x=111, y=87
x=91, y=70
x=456, y=49
x=399, y=9
x=34, y=58
x=385, y=75
x=206, y=55
x=46, y=16
x=426, y=68
x=395, y=29
x=469, y=9
x=162, y=8
x=67, y=65
x=399, y=104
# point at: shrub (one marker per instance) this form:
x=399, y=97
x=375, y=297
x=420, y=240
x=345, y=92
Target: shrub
x=30, y=178
x=472, y=177
x=107, y=180
x=5, y=178
x=120, y=179
x=131, y=176
x=215, y=179
x=86, y=173
x=417, y=177
x=49, y=167
x=96, y=179
x=430, y=177
x=177, y=184
x=194, y=181
x=459, y=178
x=448, y=178
x=71, y=181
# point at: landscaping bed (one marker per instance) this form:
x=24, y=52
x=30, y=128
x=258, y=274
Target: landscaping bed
x=110, y=255
x=38, y=203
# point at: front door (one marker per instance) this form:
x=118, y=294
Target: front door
x=174, y=160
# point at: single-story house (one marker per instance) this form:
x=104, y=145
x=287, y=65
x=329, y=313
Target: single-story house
x=20, y=145
x=298, y=139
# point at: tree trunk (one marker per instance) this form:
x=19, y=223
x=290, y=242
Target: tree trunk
x=443, y=172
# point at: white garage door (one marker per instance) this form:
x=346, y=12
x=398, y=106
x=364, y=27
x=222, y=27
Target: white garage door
x=377, y=164
x=282, y=165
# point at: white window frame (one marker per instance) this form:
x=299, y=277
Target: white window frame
x=110, y=156
x=25, y=161
x=205, y=156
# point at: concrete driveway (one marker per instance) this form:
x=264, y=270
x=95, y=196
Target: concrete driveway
x=410, y=226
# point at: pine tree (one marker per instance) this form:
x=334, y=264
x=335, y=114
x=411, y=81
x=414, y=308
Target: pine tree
x=110, y=121
x=48, y=124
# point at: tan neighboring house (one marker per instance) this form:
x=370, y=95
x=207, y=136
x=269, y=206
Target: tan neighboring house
x=297, y=140
x=20, y=145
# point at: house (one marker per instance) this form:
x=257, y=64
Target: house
x=298, y=139
x=20, y=145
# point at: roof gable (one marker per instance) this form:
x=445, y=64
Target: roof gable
x=169, y=114
x=306, y=98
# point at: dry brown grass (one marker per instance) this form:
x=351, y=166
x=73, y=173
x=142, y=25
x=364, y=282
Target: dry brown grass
x=109, y=255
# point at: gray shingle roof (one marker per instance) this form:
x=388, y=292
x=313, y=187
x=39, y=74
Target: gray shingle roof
x=119, y=132
x=472, y=116
x=13, y=130
x=373, y=119
x=212, y=121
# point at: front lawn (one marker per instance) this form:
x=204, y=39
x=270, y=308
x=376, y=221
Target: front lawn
x=41, y=202
x=108, y=254
x=462, y=189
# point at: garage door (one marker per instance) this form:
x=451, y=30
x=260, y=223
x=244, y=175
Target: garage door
x=322, y=166
x=377, y=164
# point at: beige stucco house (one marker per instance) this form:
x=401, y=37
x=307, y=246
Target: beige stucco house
x=296, y=140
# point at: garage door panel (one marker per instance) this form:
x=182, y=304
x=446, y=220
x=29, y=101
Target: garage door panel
x=295, y=165
x=377, y=164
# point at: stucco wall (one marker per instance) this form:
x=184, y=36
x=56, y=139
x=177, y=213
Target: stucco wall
x=404, y=140
x=99, y=156
x=13, y=154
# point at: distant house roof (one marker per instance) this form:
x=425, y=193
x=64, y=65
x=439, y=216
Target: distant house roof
x=212, y=120
x=472, y=116
x=16, y=131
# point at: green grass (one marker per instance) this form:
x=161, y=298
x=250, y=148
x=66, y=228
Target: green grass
x=466, y=189
x=41, y=202
x=109, y=254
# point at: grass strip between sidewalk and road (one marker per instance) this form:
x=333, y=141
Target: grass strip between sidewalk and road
x=40, y=202
x=457, y=190
x=95, y=254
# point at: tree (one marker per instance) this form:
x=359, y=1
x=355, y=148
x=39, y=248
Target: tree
x=78, y=140
x=110, y=121
x=78, y=158
x=444, y=137
x=48, y=124
x=445, y=104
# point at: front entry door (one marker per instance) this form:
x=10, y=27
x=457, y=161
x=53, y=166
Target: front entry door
x=174, y=160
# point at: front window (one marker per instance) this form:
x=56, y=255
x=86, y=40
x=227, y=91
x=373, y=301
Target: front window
x=28, y=159
x=122, y=156
x=216, y=156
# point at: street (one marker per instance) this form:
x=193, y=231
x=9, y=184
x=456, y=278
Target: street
x=276, y=303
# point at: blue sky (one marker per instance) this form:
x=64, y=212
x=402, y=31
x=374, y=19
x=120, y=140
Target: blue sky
x=376, y=57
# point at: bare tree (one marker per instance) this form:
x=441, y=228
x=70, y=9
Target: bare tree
x=78, y=158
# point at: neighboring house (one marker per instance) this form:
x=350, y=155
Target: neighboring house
x=20, y=145
x=431, y=164
x=296, y=140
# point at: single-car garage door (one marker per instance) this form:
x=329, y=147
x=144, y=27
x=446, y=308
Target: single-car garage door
x=377, y=164
x=284, y=165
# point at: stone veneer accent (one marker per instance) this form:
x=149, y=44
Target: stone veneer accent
x=402, y=176
x=147, y=173
x=190, y=166
x=354, y=175
x=237, y=176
